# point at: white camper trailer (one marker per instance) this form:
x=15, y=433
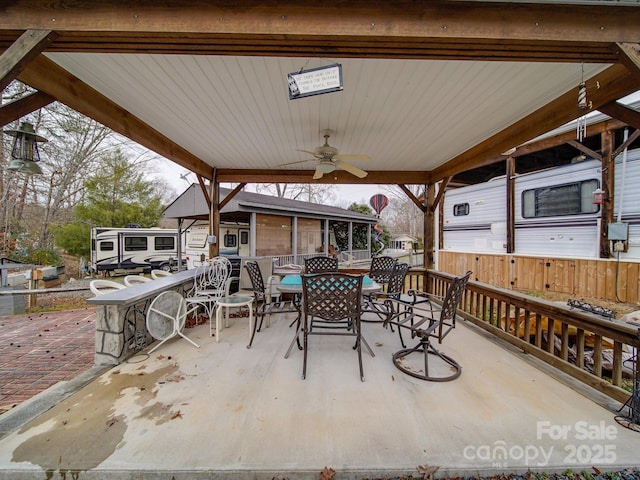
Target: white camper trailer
x=554, y=212
x=120, y=250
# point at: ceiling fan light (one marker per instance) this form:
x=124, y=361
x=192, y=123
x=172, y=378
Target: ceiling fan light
x=326, y=167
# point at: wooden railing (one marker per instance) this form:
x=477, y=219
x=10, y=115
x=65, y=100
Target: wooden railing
x=557, y=334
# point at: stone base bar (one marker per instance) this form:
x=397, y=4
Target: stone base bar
x=121, y=330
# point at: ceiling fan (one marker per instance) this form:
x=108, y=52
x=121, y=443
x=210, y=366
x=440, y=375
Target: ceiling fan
x=329, y=159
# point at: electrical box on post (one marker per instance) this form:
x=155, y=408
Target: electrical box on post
x=618, y=232
x=212, y=240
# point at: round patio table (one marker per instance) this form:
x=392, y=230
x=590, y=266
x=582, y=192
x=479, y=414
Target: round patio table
x=228, y=302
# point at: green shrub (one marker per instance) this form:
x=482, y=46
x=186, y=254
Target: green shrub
x=43, y=256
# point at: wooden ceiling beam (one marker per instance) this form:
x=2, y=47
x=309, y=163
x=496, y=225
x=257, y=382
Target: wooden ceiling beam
x=416, y=201
x=227, y=175
x=626, y=144
x=562, y=138
x=231, y=194
x=13, y=60
x=630, y=56
x=12, y=111
x=622, y=112
x=584, y=149
x=44, y=75
x=379, y=18
x=615, y=82
x=333, y=46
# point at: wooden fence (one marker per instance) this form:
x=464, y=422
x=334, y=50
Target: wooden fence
x=597, y=278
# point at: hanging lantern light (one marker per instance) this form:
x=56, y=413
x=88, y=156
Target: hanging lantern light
x=24, y=154
x=598, y=196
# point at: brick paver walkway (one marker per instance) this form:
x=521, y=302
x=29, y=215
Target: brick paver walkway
x=38, y=350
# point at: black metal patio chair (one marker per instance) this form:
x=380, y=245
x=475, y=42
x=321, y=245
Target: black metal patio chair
x=320, y=264
x=381, y=306
x=331, y=306
x=435, y=318
x=381, y=269
x=265, y=304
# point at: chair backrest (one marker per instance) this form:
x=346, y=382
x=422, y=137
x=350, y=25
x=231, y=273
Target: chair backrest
x=320, y=264
x=266, y=268
x=100, y=287
x=131, y=280
x=218, y=273
x=381, y=268
x=396, y=280
x=257, y=281
x=166, y=314
x=332, y=296
x=450, y=304
x=155, y=274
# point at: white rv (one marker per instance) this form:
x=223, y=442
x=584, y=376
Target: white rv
x=554, y=212
x=120, y=250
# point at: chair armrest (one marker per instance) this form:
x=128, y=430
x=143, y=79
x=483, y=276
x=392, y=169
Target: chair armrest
x=419, y=296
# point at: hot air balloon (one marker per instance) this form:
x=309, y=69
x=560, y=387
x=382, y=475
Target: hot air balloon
x=378, y=202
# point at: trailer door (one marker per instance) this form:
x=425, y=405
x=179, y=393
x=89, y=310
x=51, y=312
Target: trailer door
x=244, y=249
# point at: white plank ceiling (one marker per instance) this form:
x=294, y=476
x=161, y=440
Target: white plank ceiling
x=234, y=112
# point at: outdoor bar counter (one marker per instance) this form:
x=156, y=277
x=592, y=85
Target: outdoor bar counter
x=121, y=330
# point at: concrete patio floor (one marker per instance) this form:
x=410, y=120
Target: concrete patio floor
x=223, y=411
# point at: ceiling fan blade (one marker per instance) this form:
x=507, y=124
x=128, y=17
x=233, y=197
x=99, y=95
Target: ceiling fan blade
x=318, y=174
x=299, y=161
x=349, y=157
x=310, y=153
x=351, y=169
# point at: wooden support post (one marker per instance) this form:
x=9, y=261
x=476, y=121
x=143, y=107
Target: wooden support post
x=608, y=185
x=214, y=215
x=429, y=227
x=511, y=229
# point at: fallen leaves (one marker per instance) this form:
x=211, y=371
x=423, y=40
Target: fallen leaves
x=427, y=471
x=327, y=473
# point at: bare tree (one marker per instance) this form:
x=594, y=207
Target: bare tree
x=402, y=215
x=306, y=192
x=32, y=203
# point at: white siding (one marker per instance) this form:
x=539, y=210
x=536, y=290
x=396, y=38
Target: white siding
x=484, y=229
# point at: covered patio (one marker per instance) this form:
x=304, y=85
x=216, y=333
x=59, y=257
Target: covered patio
x=223, y=411
x=431, y=91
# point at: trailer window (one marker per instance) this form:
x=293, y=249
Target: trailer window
x=230, y=240
x=244, y=238
x=135, y=244
x=165, y=243
x=568, y=199
x=460, y=209
x=106, y=246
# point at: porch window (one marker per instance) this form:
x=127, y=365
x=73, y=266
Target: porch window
x=568, y=199
x=309, y=236
x=275, y=235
